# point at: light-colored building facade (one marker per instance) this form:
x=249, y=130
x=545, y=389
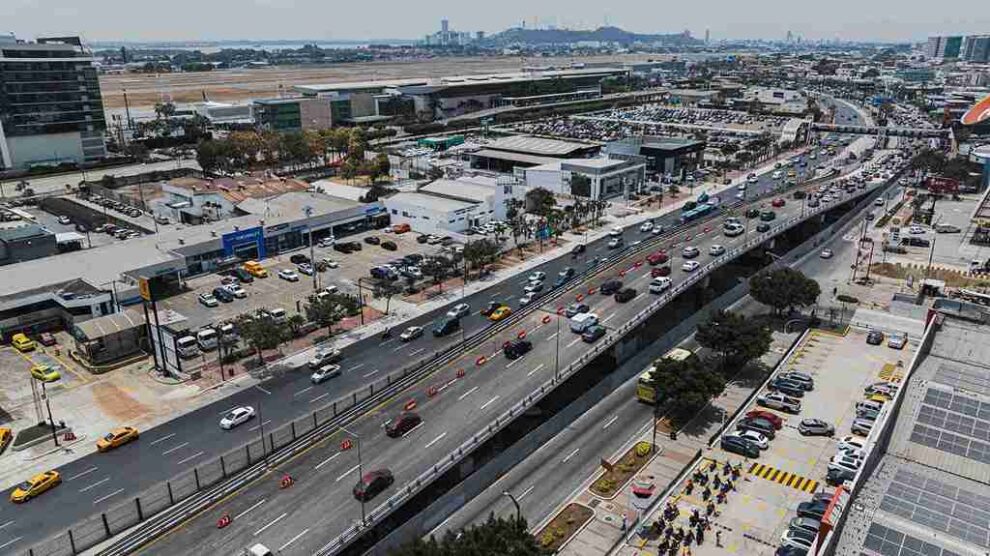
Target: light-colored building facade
x=593, y=178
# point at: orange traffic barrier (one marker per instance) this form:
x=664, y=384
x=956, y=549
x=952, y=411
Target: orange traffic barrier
x=506, y=344
x=460, y=373
x=480, y=361
x=622, y=273
x=560, y=310
x=286, y=481
x=579, y=298
x=546, y=319
x=638, y=264
x=522, y=334
x=223, y=521
x=591, y=291
x=688, y=238
x=431, y=391
x=707, y=229
x=346, y=444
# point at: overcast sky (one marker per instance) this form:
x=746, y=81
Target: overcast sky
x=146, y=20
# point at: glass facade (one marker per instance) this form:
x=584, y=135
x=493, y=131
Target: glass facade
x=51, y=89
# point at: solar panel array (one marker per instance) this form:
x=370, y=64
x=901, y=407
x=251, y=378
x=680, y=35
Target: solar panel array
x=955, y=424
x=889, y=542
x=964, y=377
x=939, y=506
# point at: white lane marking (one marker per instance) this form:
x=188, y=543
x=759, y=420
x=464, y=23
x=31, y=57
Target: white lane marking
x=570, y=455
x=6, y=524
x=489, y=402
x=272, y=522
x=345, y=474
x=510, y=298
x=226, y=411
x=76, y=476
x=263, y=390
x=435, y=440
x=513, y=362
x=610, y=421
x=466, y=394
x=575, y=340
x=164, y=438
x=303, y=391
x=256, y=427
x=94, y=485
x=10, y=542
x=366, y=375
x=608, y=318
x=318, y=398
x=538, y=367
x=401, y=346
x=245, y=512
x=292, y=540
x=190, y=458
x=552, y=336
x=417, y=351
x=358, y=366
x=328, y=460
x=526, y=492
x=179, y=447
x=102, y=498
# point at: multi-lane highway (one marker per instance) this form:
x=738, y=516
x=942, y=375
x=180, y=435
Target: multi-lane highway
x=98, y=482
x=300, y=519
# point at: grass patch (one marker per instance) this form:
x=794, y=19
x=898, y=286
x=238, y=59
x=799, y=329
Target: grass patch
x=628, y=465
x=563, y=526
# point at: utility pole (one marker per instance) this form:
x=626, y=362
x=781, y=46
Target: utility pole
x=308, y=210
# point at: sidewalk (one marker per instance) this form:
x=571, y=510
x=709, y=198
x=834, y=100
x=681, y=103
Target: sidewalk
x=613, y=518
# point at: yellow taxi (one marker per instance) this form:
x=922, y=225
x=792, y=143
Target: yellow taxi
x=116, y=438
x=6, y=435
x=500, y=313
x=35, y=485
x=256, y=269
x=45, y=373
x=879, y=397
x=21, y=342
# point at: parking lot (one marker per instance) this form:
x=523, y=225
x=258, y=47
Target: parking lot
x=794, y=466
x=272, y=292
x=15, y=370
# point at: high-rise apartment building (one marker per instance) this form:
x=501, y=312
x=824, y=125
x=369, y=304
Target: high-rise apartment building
x=976, y=48
x=51, y=110
x=944, y=47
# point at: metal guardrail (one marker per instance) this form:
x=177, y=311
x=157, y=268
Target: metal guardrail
x=420, y=482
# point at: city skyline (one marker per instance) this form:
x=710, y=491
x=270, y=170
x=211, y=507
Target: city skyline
x=105, y=20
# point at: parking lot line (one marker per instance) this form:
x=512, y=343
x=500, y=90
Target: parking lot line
x=10, y=542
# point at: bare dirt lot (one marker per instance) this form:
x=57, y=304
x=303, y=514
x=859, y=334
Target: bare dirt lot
x=144, y=90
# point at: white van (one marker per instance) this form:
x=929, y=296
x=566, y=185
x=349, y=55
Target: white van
x=228, y=333
x=778, y=175
x=186, y=347
x=277, y=314
x=207, y=339
x=583, y=321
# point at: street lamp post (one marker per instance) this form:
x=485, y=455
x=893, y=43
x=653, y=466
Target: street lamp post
x=357, y=439
x=51, y=420
x=516, y=503
x=309, y=233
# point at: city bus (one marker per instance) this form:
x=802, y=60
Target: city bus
x=645, y=392
x=696, y=212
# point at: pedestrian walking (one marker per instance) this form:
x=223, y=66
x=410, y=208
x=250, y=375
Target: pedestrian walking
x=718, y=538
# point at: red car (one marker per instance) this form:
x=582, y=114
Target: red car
x=46, y=339
x=659, y=257
x=774, y=419
x=779, y=202
x=660, y=271
x=372, y=483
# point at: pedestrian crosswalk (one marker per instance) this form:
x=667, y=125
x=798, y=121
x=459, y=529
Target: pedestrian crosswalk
x=782, y=477
x=891, y=373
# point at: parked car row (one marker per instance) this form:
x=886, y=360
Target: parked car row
x=122, y=208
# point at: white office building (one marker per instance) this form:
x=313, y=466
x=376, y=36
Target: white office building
x=593, y=178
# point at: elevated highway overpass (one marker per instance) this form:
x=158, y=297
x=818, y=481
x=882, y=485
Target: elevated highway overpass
x=912, y=132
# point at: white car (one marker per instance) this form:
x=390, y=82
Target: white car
x=690, y=266
x=528, y=298
x=411, y=333
x=327, y=242
x=325, y=372
x=331, y=263
x=533, y=287
x=288, y=274
x=754, y=437
x=752, y=178
x=916, y=230
x=459, y=310
x=236, y=290
x=64, y=220
x=208, y=300
x=659, y=284
x=716, y=250
x=844, y=463
x=615, y=232
x=777, y=400
x=305, y=268
x=826, y=254
x=322, y=356
x=646, y=226
x=236, y=416
x=538, y=276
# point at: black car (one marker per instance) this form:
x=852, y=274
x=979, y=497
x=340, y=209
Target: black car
x=343, y=247
x=578, y=249
x=592, y=333
x=223, y=295
x=413, y=258
x=814, y=510
x=874, y=338
x=298, y=258
x=402, y=423
x=242, y=275
x=446, y=326
x=610, y=287
x=422, y=239
x=752, y=213
x=763, y=227
x=576, y=308
x=915, y=241
x=759, y=425
x=372, y=240
x=355, y=245
x=516, y=349
x=490, y=308
x=789, y=387
x=372, y=483
x=790, y=550
x=768, y=216
x=624, y=295
x=740, y=446
x=836, y=476
x=389, y=245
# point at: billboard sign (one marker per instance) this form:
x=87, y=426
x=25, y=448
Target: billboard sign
x=978, y=113
x=233, y=240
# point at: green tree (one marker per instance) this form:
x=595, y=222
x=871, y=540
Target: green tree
x=295, y=324
x=438, y=269
x=580, y=185
x=735, y=338
x=261, y=332
x=685, y=386
x=783, y=288
x=496, y=537
x=387, y=289
x=540, y=201
x=326, y=310
x=480, y=252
